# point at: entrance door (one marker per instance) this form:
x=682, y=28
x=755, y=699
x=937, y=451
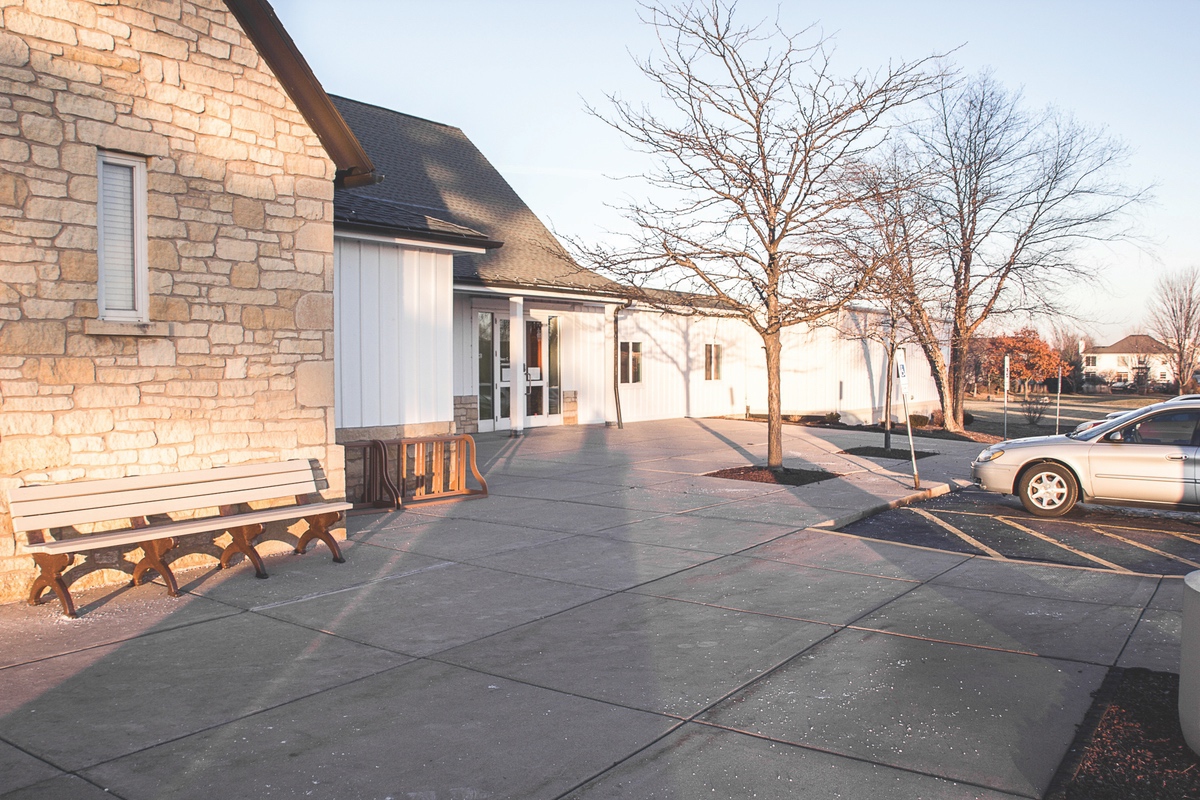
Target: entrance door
x=543, y=373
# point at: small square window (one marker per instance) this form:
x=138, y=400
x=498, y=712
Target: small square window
x=712, y=362
x=123, y=290
x=631, y=362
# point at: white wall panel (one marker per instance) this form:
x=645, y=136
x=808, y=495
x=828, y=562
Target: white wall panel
x=393, y=335
x=822, y=370
x=466, y=365
x=584, y=362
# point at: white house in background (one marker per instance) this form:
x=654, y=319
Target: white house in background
x=1137, y=358
x=457, y=310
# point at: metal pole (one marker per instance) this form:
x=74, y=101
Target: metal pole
x=1058, y=406
x=1006, y=397
x=902, y=374
x=911, y=447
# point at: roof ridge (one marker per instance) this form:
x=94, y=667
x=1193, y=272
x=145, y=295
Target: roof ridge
x=395, y=112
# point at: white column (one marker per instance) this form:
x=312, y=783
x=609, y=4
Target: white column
x=609, y=383
x=516, y=351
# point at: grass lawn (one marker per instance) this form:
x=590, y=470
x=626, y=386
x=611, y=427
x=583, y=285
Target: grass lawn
x=1076, y=408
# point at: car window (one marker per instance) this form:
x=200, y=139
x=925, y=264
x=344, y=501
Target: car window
x=1177, y=428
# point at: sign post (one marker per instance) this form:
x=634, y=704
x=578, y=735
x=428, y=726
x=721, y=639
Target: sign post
x=902, y=374
x=1058, y=405
x=1006, y=397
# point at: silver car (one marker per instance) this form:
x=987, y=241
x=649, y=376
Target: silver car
x=1145, y=458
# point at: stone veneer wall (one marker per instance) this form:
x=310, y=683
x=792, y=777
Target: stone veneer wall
x=570, y=407
x=236, y=362
x=466, y=413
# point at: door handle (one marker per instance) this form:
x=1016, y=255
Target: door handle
x=1177, y=457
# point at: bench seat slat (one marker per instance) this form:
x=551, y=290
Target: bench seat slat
x=129, y=536
x=180, y=479
x=160, y=500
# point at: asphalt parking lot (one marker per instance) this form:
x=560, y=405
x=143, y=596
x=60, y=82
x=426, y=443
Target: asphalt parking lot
x=978, y=522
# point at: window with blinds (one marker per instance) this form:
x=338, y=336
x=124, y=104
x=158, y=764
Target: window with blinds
x=121, y=220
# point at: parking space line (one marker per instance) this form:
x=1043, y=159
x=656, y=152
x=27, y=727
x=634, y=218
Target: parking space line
x=1187, y=537
x=1067, y=547
x=1194, y=538
x=1097, y=527
x=1154, y=550
x=960, y=534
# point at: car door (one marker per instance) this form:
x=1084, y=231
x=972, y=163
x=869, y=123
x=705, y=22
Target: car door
x=1152, y=460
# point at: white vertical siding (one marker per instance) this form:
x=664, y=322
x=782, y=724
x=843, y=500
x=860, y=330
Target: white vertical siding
x=466, y=344
x=584, y=361
x=822, y=371
x=393, y=335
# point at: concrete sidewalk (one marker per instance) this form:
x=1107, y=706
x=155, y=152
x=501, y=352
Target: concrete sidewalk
x=609, y=623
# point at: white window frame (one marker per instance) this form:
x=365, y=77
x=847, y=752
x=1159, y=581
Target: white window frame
x=141, y=271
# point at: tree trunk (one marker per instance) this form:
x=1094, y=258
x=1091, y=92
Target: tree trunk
x=887, y=400
x=941, y=379
x=956, y=384
x=774, y=347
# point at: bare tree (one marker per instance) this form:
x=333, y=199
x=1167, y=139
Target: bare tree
x=884, y=325
x=1174, y=316
x=751, y=144
x=895, y=243
x=1070, y=343
x=1014, y=196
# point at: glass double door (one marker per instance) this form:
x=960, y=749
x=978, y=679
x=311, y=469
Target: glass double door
x=542, y=368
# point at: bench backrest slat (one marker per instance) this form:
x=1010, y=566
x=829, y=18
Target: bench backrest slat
x=79, y=502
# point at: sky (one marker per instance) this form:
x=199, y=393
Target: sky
x=516, y=77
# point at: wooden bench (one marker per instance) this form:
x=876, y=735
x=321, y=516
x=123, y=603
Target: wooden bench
x=138, y=499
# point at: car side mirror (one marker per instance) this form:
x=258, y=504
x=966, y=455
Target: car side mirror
x=1116, y=436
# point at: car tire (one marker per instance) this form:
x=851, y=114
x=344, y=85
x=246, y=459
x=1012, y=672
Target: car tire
x=1048, y=490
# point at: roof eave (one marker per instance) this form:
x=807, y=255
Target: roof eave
x=275, y=45
x=418, y=235
x=514, y=286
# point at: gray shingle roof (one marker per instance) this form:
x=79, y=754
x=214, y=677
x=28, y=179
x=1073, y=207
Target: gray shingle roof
x=434, y=170
x=357, y=211
x=1138, y=343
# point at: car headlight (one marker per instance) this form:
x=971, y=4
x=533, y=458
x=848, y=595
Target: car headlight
x=988, y=455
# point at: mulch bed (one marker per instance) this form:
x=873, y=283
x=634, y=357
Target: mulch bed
x=1130, y=745
x=788, y=476
x=879, y=452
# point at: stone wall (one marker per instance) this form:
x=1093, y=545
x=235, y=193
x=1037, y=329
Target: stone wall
x=235, y=364
x=570, y=407
x=466, y=413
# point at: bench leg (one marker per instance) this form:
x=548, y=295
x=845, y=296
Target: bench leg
x=318, y=528
x=153, y=559
x=243, y=542
x=51, y=566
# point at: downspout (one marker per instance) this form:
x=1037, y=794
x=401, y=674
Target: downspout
x=617, y=359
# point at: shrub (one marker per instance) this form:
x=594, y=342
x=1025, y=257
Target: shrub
x=1035, y=406
x=832, y=418
x=968, y=418
x=918, y=420
x=937, y=419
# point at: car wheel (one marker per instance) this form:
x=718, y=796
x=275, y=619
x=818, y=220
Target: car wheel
x=1048, y=490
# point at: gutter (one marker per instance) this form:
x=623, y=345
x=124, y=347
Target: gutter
x=481, y=242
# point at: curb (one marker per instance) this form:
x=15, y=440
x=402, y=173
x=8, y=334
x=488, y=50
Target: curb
x=934, y=490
